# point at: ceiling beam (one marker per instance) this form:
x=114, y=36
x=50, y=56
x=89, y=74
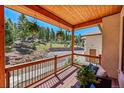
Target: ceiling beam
x=44, y=12
x=89, y=23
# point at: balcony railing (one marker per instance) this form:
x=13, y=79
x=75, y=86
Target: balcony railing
x=25, y=75
x=81, y=59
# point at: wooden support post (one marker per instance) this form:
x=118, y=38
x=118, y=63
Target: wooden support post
x=100, y=59
x=7, y=79
x=2, y=62
x=55, y=65
x=72, y=48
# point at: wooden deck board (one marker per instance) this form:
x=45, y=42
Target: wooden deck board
x=64, y=79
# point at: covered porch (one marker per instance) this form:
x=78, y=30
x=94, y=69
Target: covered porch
x=53, y=72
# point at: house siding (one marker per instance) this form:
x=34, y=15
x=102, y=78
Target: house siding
x=93, y=42
x=120, y=74
x=110, y=53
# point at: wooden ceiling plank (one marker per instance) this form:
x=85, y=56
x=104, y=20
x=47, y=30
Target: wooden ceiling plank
x=70, y=16
x=42, y=11
x=70, y=12
x=82, y=13
x=74, y=14
x=86, y=13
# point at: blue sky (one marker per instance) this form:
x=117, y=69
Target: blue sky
x=13, y=15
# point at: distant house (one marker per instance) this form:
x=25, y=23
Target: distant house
x=92, y=43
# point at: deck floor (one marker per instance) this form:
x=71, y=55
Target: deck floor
x=63, y=79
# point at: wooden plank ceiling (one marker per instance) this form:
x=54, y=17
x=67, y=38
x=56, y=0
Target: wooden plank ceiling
x=69, y=16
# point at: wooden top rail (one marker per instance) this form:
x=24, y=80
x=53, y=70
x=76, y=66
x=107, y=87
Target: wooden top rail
x=87, y=55
x=32, y=63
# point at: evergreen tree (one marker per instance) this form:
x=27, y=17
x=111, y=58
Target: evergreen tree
x=41, y=34
x=52, y=35
x=9, y=37
x=23, y=27
x=60, y=35
x=79, y=39
x=47, y=34
x=26, y=28
x=66, y=35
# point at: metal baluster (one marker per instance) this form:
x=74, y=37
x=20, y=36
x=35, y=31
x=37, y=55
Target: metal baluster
x=17, y=78
x=22, y=77
x=32, y=73
x=13, y=78
x=40, y=70
x=55, y=65
x=25, y=77
x=28, y=71
x=49, y=67
x=52, y=67
x=35, y=72
x=43, y=69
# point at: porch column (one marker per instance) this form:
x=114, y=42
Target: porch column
x=2, y=65
x=72, y=48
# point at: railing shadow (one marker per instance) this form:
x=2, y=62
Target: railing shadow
x=58, y=79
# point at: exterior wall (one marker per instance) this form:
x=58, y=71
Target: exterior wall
x=110, y=53
x=121, y=75
x=93, y=42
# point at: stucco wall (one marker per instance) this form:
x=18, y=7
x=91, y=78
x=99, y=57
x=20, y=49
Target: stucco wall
x=93, y=42
x=110, y=53
x=121, y=75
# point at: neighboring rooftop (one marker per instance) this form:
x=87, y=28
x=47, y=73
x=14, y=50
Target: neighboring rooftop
x=97, y=32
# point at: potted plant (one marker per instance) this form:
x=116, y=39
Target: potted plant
x=86, y=77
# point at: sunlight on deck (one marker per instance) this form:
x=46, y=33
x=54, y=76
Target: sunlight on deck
x=63, y=79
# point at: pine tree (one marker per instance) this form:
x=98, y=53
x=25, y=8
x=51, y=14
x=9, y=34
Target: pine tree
x=52, y=35
x=26, y=28
x=9, y=37
x=23, y=27
x=66, y=35
x=47, y=34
